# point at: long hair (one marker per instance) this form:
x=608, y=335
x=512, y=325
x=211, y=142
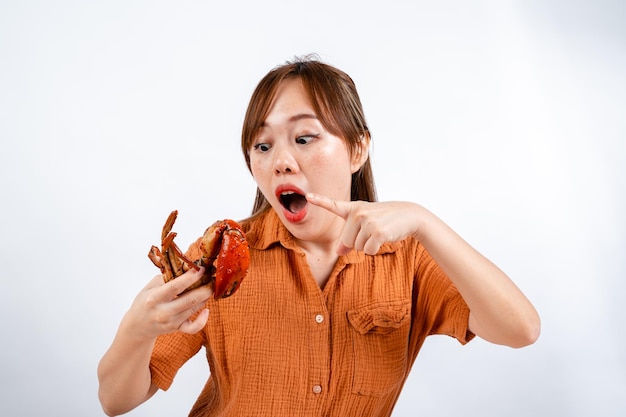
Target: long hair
x=335, y=102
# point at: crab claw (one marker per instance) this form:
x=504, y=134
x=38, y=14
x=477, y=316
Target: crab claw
x=225, y=254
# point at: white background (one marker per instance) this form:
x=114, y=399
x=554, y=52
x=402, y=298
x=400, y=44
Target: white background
x=505, y=118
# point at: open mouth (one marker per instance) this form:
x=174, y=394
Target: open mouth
x=292, y=201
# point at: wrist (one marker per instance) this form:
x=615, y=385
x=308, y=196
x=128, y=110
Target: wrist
x=134, y=333
x=423, y=223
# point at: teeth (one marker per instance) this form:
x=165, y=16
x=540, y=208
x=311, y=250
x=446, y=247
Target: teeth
x=287, y=192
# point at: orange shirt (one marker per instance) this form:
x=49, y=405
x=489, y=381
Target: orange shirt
x=282, y=346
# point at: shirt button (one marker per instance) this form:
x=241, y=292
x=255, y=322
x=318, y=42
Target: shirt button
x=317, y=389
x=319, y=318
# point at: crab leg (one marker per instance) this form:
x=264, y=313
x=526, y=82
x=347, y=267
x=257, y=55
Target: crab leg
x=179, y=261
x=176, y=265
x=167, y=227
x=156, y=257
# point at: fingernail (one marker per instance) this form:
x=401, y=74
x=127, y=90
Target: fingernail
x=343, y=250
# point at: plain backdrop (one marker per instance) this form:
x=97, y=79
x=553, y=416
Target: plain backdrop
x=505, y=118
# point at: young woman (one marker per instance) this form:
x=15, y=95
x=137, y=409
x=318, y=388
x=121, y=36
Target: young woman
x=342, y=290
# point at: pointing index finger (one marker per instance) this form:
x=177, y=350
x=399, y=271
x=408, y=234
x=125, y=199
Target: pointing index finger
x=340, y=208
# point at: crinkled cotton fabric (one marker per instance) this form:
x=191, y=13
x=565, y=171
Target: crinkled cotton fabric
x=283, y=346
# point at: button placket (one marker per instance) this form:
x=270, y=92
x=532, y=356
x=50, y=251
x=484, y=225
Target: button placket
x=318, y=342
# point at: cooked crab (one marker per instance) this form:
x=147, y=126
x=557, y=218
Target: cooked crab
x=225, y=256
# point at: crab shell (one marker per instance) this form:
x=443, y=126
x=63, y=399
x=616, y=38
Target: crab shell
x=225, y=255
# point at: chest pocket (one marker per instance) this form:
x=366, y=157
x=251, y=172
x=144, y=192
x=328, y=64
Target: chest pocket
x=380, y=345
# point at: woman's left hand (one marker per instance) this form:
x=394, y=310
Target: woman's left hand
x=369, y=225
x=499, y=313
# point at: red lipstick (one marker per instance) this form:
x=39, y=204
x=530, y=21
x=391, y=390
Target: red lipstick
x=293, y=202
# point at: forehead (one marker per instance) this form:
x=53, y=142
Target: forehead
x=291, y=103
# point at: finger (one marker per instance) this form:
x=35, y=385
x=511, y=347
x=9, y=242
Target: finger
x=361, y=239
x=358, y=236
x=193, y=326
x=370, y=238
x=181, y=283
x=349, y=237
x=340, y=208
x=372, y=246
x=343, y=249
x=186, y=305
x=155, y=282
x=367, y=243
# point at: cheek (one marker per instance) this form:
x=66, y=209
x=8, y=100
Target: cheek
x=334, y=164
x=332, y=174
x=256, y=167
x=259, y=172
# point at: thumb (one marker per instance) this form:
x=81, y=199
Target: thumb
x=340, y=208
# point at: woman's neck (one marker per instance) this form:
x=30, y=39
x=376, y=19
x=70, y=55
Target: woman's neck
x=321, y=262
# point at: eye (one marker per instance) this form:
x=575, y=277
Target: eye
x=261, y=147
x=304, y=139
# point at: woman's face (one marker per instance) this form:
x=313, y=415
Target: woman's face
x=294, y=154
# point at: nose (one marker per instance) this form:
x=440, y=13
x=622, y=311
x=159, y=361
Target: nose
x=284, y=161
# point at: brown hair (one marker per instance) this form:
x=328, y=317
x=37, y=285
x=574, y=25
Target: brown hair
x=335, y=102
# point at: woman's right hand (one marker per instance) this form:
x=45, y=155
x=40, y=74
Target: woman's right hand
x=159, y=309
x=124, y=370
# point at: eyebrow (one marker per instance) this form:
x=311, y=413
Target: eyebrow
x=301, y=116
x=296, y=117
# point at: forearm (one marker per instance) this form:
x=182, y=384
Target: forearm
x=124, y=374
x=124, y=371
x=500, y=313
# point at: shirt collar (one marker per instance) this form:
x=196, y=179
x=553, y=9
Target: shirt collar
x=266, y=229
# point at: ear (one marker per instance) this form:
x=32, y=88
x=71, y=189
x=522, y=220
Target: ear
x=361, y=153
